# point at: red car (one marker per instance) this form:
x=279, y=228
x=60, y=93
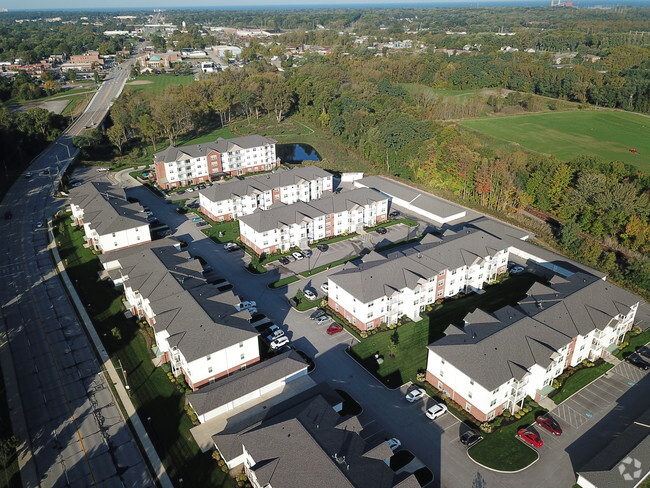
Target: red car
x=530, y=437
x=549, y=424
x=334, y=328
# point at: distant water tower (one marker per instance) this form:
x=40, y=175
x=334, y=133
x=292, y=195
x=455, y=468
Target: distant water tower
x=184, y=25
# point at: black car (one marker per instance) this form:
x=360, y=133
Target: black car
x=381, y=230
x=643, y=351
x=316, y=314
x=284, y=260
x=322, y=247
x=470, y=438
x=636, y=360
x=394, y=213
x=201, y=224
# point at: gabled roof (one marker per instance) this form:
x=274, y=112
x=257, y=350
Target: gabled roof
x=173, y=153
x=105, y=208
x=374, y=277
x=281, y=215
x=253, y=185
x=493, y=348
x=242, y=383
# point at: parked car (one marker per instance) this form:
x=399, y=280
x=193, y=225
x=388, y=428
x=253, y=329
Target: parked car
x=284, y=260
x=642, y=350
x=164, y=233
x=274, y=335
x=415, y=395
x=197, y=219
x=436, y=411
x=322, y=247
x=29, y=175
x=258, y=317
x=636, y=360
x=298, y=255
x=381, y=230
x=39, y=224
x=323, y=319
x=152, y=219
x=530, y=437
x=334, y=329
x=325, y=288
x=470, y=438
x=316, y=314
x=307, y=253
x=271, y=329
x=201, y=224
x=190, y=190
x=517, y=270
x=279, y=342
x=230, y=246
x=309, y=295
x=549, y=424
x=394, y=443
x=394, y=213
x=180, y=192
x=245, y=305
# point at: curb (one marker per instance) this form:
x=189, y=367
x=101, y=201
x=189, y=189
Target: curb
x=148, y=449
x=498, y=470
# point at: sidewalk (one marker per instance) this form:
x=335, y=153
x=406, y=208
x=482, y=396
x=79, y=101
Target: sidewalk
x=138, y=428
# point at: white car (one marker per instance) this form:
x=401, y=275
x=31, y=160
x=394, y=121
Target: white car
x=298, y=255
x=279, y=342
x=437, y=411
x=325, y=288
x=415, y=395
x=309, y=295
x=190, y=190
x=230, y=246
x=394, y=443
x=323, y=320
x=247, y=305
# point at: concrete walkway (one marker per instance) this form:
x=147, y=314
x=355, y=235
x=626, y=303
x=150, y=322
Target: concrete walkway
x=138, y=427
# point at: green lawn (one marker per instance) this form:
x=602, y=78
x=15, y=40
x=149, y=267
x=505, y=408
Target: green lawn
x=411, y=352
x=502, y=450
x=640, y=340
x=320, y=269
x=158, y=83
x=304, y=304
x=152, y=393
x=578, y=380
x=607, y=134
x=222, y=232
x=211, y=136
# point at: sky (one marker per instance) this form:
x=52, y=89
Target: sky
x=104, y=4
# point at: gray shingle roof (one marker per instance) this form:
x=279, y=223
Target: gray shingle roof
x=415, y=197
x=602, y=470
x=240, y=384
x=173, y=153
x=193, y=325
x=253, y=185
x=306, y=445
x=502, y=345
x=106, y=209
x=380, y=277
x=283, y=215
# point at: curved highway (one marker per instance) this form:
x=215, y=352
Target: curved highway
x=71, y=433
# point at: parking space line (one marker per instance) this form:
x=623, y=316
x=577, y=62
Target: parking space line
x=605, y=392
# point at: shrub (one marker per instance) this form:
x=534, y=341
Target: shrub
x=486, y=427
x=363, y=334
x=506, y=413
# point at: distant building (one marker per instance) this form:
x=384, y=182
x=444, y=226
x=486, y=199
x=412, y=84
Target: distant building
x=197, y=163
x=158, y=61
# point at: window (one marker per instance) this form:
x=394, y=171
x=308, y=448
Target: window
x=210, y=369
x=442, y=373
x=208, y=357
x=241, y=344
x=241, y=356
x=490, y=416
x=468, y=407
x=439, y=294
x=493, y=402
x=469, y=394
x=440, y=385
x=441, y=283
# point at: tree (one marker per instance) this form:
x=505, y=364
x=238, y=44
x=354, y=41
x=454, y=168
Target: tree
x=116, y=135
x=276, y=98
x=570, y=236
x=149, y=128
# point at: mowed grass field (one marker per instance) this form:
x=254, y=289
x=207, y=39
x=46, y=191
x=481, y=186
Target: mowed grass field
x=607, y=134
x=158, y=83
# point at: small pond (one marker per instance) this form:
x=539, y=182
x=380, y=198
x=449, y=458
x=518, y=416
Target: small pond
x=296, y=153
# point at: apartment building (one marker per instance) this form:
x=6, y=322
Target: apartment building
x=304, y=441
x=382, y=289
x=197, y=329
x=497, y=359
x=109, y=221
x=198, y=163
x=299, y=224
x=235, y=198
